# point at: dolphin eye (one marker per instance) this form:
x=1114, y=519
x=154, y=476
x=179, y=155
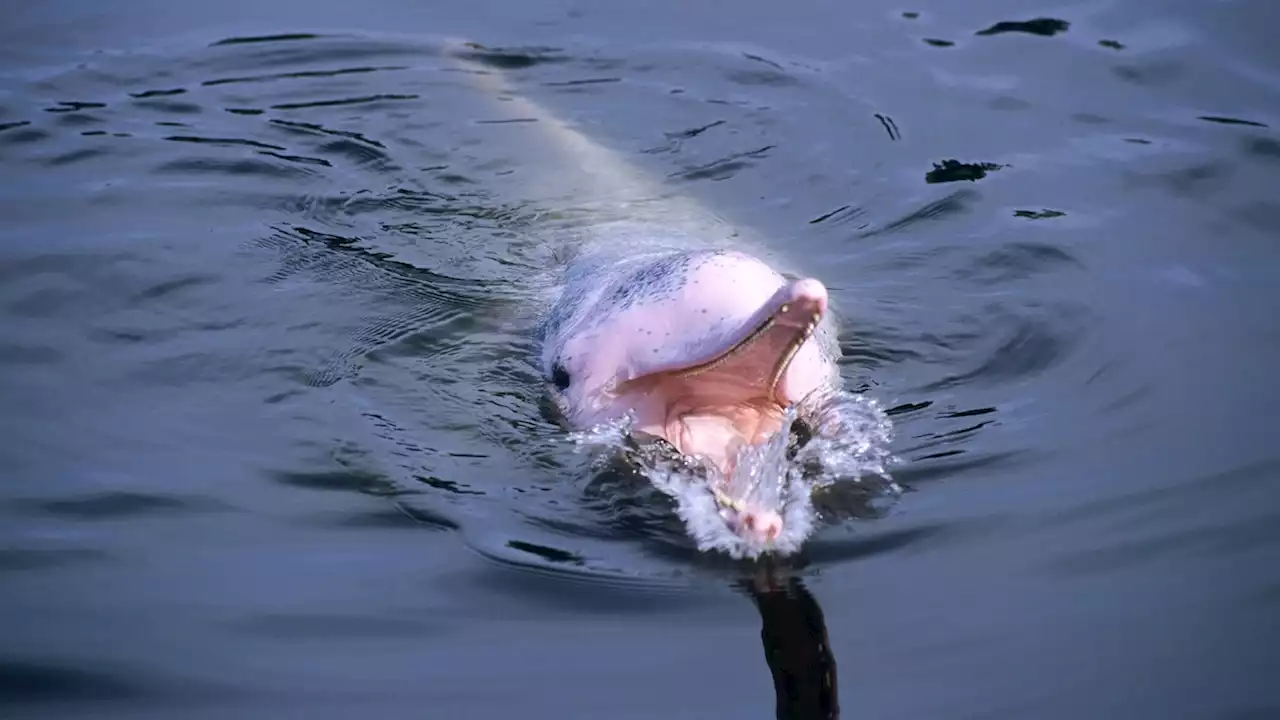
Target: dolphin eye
x=559, y=376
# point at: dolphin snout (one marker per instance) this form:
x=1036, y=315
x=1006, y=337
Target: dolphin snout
x=763, y=526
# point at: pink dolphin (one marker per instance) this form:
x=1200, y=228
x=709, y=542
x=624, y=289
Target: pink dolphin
x=664, y=313
x=705, y=349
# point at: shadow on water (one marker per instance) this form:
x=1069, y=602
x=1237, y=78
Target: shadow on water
x=793, y=633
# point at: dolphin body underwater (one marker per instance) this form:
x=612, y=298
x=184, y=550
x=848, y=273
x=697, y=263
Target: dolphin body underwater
x=667, y=320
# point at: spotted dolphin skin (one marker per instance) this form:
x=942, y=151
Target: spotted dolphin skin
x=663, y=314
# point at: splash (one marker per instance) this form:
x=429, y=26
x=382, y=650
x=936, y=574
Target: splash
x=848, y=438
x=851, y=436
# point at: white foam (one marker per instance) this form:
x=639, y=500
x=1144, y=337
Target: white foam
x=850, y=444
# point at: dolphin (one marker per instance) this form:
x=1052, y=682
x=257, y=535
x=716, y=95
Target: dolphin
x=668, y=317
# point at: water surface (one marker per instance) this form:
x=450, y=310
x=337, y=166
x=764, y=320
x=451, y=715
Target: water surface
x=273, y=440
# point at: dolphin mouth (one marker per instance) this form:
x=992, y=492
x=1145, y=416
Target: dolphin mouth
x=784, y=325
x=734, y=396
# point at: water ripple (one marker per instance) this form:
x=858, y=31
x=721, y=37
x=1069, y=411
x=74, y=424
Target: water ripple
x=30, y=681
x=118, y=504
x=335, y=238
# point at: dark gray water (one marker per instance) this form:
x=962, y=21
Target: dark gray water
x=272, y=441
